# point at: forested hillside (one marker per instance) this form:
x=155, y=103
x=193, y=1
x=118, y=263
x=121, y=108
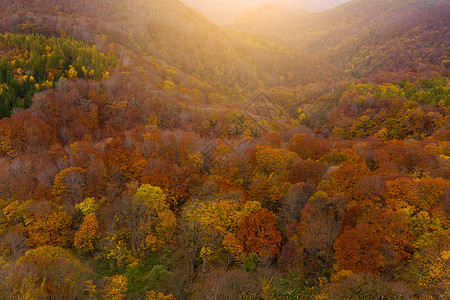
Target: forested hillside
x=146, y=153
x=176, y=34
x=221, y=12
x=269, y=19
x=366, y=37
x=225, y=12
x=31, y=64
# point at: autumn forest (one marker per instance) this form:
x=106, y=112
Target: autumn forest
x=148, y=153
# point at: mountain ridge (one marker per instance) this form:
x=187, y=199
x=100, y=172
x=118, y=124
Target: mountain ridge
x=183, y=38
x=225, y=12
x=340, y=35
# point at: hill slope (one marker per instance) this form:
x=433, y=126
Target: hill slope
x=224, y=12
x=268, y=19
x=178, y=35
x=366, y=37
x=221, y=12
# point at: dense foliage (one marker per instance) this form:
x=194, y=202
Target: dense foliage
x=33, y=63
x=363, y=37
x=168, y=30
x=127, y=178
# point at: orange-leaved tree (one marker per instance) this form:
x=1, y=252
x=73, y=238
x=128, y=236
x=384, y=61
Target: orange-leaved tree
x=53, y=228
x=257, y=233
x=346, y=177
x=85, y=236
x=357, y=249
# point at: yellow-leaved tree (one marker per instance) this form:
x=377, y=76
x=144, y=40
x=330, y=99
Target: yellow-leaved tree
x=152, y=224
x=49, y=272
x=153, y=197
x=116, y=288
x=88, y=206
x=154, y=295
x=223, y=218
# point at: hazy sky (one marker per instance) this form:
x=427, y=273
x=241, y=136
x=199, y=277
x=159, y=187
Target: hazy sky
x=289, y=3
x=312, y=5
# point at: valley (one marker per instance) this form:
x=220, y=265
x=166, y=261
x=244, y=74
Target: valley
x=147, y=152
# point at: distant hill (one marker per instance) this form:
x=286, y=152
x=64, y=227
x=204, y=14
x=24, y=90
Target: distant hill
x=221, y=12
x=313, y=6
x=269, y=19
x=225, y=12
x=176, y=34
x=365, y=37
